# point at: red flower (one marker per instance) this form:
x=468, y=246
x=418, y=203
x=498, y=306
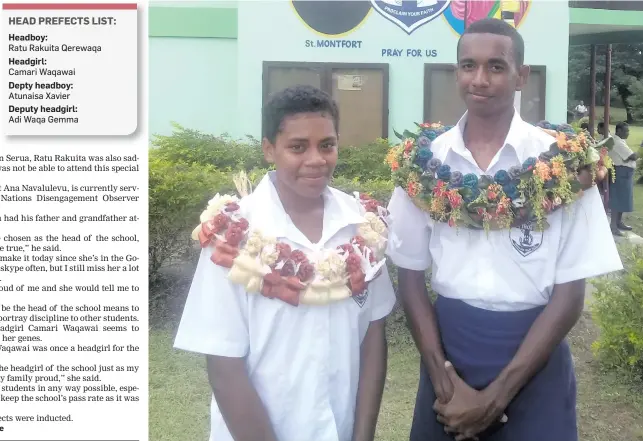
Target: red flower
x=346, y=247
x=371, y=205
x=408, y=145
x=306, y=271
x=359, y=241
x=364, y=197
x=438, y=190
x=231, y=206
x=480, y=211
x=455, y=199
x=353, y=263
x=288, y=269
x=298, y=256
x=234, y=235
x=220, y=222
x=451, y=222
x=242, y=224
x=284, y=251
x=413, y=189
x=492, y=195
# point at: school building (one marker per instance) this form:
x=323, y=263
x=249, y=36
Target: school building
x=388, y=63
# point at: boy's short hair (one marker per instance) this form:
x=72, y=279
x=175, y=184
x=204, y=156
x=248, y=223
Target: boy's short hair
x=497, y=27
x=621, y=126
x=293, y=100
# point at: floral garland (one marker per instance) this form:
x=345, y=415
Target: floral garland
x=509, y=198
x=264, y=265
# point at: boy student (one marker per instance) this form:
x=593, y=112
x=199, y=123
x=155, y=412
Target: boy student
x=493, y=345
x=280, y=372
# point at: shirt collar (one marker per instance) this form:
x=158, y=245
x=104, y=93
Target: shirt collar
x=515, y=138
x=339, y=212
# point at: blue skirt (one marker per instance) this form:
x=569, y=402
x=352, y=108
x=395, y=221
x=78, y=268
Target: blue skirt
x=480, y=344
x=621, y=197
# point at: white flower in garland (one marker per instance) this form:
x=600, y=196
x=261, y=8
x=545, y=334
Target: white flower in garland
x=255, y=243
x=265, y=266
x=215, y=206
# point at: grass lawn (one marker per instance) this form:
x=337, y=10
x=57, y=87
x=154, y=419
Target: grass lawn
x=609, y=407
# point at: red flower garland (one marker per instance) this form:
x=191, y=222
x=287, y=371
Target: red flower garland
x=292, y=269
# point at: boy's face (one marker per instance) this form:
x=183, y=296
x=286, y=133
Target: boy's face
x=487, y=74
x=304, y=153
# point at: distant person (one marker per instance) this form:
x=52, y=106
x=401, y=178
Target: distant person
x=621, y=190
x=600, y=128
x=580, y=109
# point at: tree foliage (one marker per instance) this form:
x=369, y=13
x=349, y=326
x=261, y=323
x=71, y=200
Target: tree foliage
x=627, y=73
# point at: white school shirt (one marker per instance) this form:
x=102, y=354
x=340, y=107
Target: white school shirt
x=620, y=152
x=504, y=270
x=303, y=361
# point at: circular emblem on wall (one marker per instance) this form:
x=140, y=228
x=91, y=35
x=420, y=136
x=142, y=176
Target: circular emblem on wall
x=332, y=18
x=410, y=15
x=461, y=13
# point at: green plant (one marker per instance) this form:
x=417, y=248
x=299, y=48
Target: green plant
x=194, y=147
x=617, y=309
x=598, y=118
x=178, y=193
x=366, y=162
x=636, y=99
x=379, y=189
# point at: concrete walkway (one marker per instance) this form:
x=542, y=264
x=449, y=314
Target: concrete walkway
x=630, y=237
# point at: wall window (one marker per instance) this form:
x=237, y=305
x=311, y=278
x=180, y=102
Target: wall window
x=361, y=92
x=532, y=97
x=442, y=102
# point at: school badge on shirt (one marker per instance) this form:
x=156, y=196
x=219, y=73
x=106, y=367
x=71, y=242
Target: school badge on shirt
x=361, y=298
x=526, y=239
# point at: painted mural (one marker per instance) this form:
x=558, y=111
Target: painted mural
x=461, y=13
x=338, y=18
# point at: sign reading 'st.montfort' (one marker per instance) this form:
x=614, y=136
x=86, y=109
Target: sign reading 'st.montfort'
x=410, y=15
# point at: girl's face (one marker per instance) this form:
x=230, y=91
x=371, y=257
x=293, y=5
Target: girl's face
x=304, y=153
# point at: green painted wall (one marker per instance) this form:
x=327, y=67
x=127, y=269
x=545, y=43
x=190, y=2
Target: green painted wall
x=192, y=66
x=192, y=81
x=194, y=22
x=605, y=17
